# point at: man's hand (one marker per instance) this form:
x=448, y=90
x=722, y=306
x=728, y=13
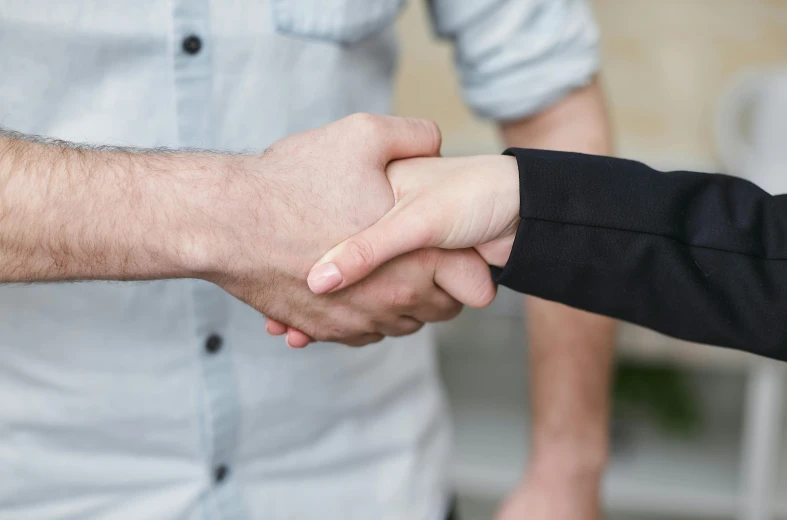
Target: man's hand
x=326, y=185
x=252, y=224
x=445, y=203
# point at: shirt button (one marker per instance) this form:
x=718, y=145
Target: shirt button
x=192, y=44
x=213, y=343
x=220, y=473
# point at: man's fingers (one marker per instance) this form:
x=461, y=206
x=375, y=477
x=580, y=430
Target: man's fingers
x=440, y=307
x=403, y=326
x=274, y=328
x=464, y=275
x=403, y=137
x=413, y=138
x=363, y=340
x=351, y=261
x=497, y=251
x=297, y=339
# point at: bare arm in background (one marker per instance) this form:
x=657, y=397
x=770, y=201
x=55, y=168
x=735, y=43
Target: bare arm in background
x=571, y=351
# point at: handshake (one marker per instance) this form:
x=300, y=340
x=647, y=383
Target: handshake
x=359, y=230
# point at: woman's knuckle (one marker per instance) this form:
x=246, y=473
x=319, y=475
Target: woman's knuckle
x=361, y=252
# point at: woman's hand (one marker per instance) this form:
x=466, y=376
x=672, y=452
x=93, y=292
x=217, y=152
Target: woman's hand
x=446, y=203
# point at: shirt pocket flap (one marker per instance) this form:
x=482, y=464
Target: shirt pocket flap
x=340, y=21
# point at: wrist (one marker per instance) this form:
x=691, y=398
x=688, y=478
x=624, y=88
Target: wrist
x=577, y=461
x=503, y=178
x=206, y=215
x=510, y=195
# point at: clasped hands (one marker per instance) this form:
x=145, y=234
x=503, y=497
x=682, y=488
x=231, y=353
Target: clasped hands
x=415, y=232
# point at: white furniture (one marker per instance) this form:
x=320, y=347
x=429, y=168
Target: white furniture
x=730, y=470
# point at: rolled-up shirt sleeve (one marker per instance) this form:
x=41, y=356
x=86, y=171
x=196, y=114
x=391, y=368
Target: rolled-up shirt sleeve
x=517, y=57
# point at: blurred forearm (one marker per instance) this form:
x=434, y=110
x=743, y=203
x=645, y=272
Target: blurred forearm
x=571, y=351
x=578, y=123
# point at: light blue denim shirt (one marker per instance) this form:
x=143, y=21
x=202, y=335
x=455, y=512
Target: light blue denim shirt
x=167, y=400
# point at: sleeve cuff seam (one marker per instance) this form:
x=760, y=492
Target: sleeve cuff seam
x=652, y=233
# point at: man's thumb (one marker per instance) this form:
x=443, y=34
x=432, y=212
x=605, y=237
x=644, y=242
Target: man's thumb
x=356, y=258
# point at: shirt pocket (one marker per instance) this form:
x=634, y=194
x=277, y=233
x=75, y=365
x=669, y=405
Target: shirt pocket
x=339, y=21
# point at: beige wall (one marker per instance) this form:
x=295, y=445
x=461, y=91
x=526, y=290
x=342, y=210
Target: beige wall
x=665, y=65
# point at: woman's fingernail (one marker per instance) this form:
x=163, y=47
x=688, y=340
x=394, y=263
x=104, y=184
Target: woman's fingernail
x=324, y=278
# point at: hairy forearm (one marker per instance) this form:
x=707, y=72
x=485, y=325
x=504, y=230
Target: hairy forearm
x=72, y=212
x=571, y=351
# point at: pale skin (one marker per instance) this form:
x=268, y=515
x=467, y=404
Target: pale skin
x=453, y=203
x=252, y=224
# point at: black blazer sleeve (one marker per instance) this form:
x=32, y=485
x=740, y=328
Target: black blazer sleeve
x=701, y=257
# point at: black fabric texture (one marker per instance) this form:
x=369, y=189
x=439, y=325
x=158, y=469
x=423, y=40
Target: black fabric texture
x=697, y=256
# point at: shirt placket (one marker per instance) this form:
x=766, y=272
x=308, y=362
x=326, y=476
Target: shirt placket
x=220, y=406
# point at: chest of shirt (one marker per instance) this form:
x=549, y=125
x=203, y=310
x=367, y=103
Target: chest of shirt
x=198, y=73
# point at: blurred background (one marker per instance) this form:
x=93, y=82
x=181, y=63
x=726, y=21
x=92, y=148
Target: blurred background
x=698, y=432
